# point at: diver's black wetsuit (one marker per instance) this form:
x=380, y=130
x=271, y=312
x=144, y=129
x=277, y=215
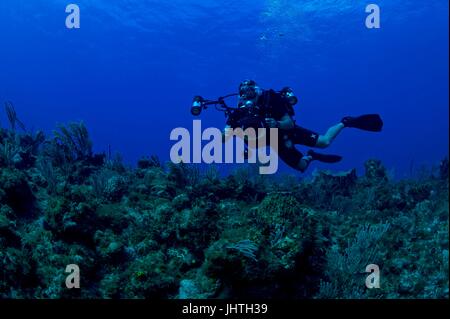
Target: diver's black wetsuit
x=272, y=105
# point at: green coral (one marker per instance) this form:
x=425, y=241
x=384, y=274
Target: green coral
x=176, y=231
x=279, y=206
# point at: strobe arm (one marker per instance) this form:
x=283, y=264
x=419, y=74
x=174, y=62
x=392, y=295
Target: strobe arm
x=199, y=104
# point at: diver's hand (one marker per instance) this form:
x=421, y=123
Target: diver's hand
x=227, y=133
x=272, y=123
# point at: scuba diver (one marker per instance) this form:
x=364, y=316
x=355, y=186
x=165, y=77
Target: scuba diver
x=258, y=108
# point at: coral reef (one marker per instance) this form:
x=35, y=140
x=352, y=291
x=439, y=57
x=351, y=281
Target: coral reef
x=174, y=231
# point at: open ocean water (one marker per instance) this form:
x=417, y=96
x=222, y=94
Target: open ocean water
x=93, y=89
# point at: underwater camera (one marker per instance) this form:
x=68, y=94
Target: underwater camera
x=289, y=95
x=197, y=105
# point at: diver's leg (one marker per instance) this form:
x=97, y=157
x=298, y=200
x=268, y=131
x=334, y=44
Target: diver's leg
x=368, y=122
x=293, y=157
x=303, y=136
x=324, y=141
x=304, y=162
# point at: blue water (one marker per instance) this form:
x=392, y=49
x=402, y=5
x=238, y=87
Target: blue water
x=132, y=68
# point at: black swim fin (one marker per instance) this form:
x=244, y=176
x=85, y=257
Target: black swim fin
x=325, y=158
x=368, y=122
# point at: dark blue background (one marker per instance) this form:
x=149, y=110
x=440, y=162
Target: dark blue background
x=131, y=70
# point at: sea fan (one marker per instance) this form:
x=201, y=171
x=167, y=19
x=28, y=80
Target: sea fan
x=74, y=140
x=12, y=117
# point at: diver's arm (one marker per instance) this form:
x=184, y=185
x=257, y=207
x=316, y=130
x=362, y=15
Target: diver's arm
x=286, y=123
